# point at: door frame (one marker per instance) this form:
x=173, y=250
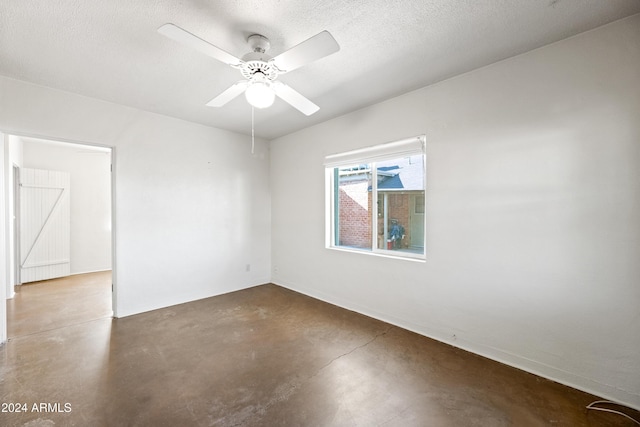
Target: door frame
x=11, y=249
x=16, y=225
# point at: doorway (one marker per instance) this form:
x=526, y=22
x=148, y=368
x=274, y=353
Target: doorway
x=91, y=193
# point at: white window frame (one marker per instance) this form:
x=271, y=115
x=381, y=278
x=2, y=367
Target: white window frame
x=370, y=155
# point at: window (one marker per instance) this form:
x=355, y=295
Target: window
x=376, y=199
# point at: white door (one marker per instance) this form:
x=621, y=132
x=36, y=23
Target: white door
x=45, y=224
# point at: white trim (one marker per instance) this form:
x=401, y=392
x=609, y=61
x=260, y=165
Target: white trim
x=90, y=272
x=389, y=150
x=381, y=253
x=114, y=282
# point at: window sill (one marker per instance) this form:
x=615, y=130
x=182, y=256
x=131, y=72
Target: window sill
x=406, y=256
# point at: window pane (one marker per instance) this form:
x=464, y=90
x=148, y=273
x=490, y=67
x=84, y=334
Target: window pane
x=353, y=216
x=401, y=204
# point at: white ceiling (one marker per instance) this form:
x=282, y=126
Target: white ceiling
x=109, y=49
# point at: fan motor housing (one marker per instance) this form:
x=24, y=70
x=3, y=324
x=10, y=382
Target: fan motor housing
x=258, y=61
x=255, y=62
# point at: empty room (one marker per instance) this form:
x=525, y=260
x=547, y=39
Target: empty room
x=320, y=213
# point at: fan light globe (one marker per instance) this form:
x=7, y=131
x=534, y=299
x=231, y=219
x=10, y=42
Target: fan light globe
x=259, y=95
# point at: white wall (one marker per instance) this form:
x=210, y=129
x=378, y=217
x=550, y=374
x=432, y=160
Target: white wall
x=533, y=207
x=191, y=202
x=89, y=169
x=4, y=244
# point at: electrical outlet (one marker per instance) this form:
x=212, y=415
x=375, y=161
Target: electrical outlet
x=248, y=267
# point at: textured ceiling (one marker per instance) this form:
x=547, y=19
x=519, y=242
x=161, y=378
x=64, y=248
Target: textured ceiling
x=110, y=49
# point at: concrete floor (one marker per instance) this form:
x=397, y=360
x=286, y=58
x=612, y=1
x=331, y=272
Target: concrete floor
x=264, y=356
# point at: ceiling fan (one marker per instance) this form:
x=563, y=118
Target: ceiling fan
x=259, y=69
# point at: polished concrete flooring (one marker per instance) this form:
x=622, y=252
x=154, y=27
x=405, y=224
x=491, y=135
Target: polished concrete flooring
x=264, y=356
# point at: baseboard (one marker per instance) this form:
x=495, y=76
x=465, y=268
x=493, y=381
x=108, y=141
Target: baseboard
x=569, y=379
x=162, y=304
x=89, y=272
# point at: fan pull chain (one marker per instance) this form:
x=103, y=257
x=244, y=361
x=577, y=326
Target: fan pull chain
x=253, y=139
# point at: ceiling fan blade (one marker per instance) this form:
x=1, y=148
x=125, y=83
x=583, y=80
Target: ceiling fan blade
x=318, y=46
x=290, y=96
x=186, y=38
x=228, y=94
